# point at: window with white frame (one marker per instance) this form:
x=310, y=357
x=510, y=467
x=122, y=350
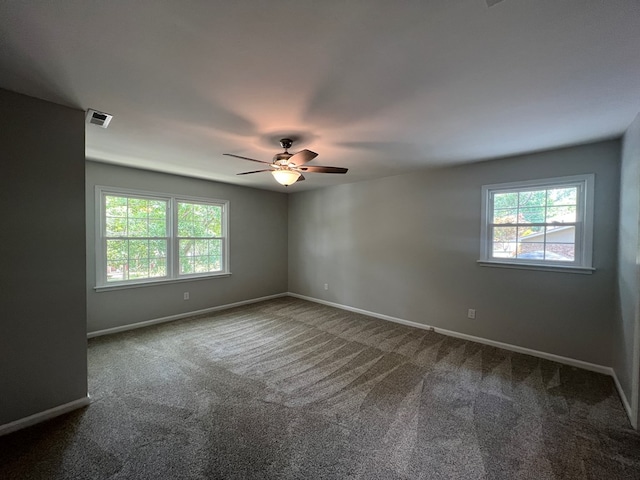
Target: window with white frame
x=147, y=237
x=542, y=223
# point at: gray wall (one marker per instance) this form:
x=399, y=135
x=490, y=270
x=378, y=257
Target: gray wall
x=258, y=250
x=407, y=247
x=43, y=346
x=626, y=329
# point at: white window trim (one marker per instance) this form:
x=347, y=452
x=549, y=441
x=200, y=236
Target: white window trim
x=584, y=225
x=172, y=260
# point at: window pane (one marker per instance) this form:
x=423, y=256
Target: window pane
x=186, y=248
x=561, y=234
x=200, y=256
x=129, y=217
x=215, y=263
x=158, y=209
x=504, y=249
x=199, y=220
x=530, y=243
x=185, y=219
x=157, y=267
x=117, y=259
x=531, y=215
x=112, y=201
x=157, y=258
x=561, y=214
x=560, y=252
x=215, y=220
x=215, y=247
x=504, y=234
x=157, y=228
x=186, y=265
x=137, y=227
x=158, y=248
x=536, y=198
x=505, y=200
x=562, y=196
x=138, y=208
x=116, y=227
x=530, y=234
x=115, y=271
x=115, y=206
x=504, y=241
x=117, y=250
x=201, y=264
x=200, y=247
x=505, y=215
x=138, y=268
x=138, y=249
x=531, y=251
x=199, y=212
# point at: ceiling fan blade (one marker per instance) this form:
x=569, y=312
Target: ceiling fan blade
x=255, y=171
x=300, y=178
x=320, y=169
x=302, y=157
x=245, y=158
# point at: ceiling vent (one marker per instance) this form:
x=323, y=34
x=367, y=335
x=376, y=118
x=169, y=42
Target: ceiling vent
x=100, y=119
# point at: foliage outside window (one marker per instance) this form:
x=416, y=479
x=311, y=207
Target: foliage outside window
x=145, y=237
x=199, y=237
x=136, y=237
x=540, y=223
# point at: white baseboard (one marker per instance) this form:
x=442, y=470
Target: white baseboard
x=625, y=400
x=505, y=346
x=146, y=323
x=42, y=416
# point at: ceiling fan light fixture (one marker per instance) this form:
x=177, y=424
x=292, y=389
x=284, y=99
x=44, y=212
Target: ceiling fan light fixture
x=286, y=177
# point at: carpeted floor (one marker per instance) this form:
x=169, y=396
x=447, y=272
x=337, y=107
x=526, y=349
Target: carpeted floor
x=294, y=390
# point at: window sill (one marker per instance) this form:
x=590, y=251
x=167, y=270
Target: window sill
x=534, y=266
x=153, y=283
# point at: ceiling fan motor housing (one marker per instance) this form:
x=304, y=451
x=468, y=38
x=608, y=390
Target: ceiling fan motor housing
x=286, y=143
x=282, y=158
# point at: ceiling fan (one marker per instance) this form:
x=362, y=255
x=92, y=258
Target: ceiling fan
x=287, y=167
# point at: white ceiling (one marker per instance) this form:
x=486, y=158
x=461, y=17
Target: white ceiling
x=381, y=87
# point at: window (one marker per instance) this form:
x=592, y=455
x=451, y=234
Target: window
x=148, y=237
x=200, y=240
x=539, y=224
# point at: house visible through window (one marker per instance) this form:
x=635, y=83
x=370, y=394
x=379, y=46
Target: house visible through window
x=539, y=223
x=146, y=237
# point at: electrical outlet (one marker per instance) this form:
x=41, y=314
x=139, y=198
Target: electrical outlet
x=471, y=313
x=186, y=295
x=326, y=286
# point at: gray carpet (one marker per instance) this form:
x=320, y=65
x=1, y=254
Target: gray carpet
x=293, y=390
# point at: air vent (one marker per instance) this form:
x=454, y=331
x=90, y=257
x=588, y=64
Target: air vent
x=100, y=119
